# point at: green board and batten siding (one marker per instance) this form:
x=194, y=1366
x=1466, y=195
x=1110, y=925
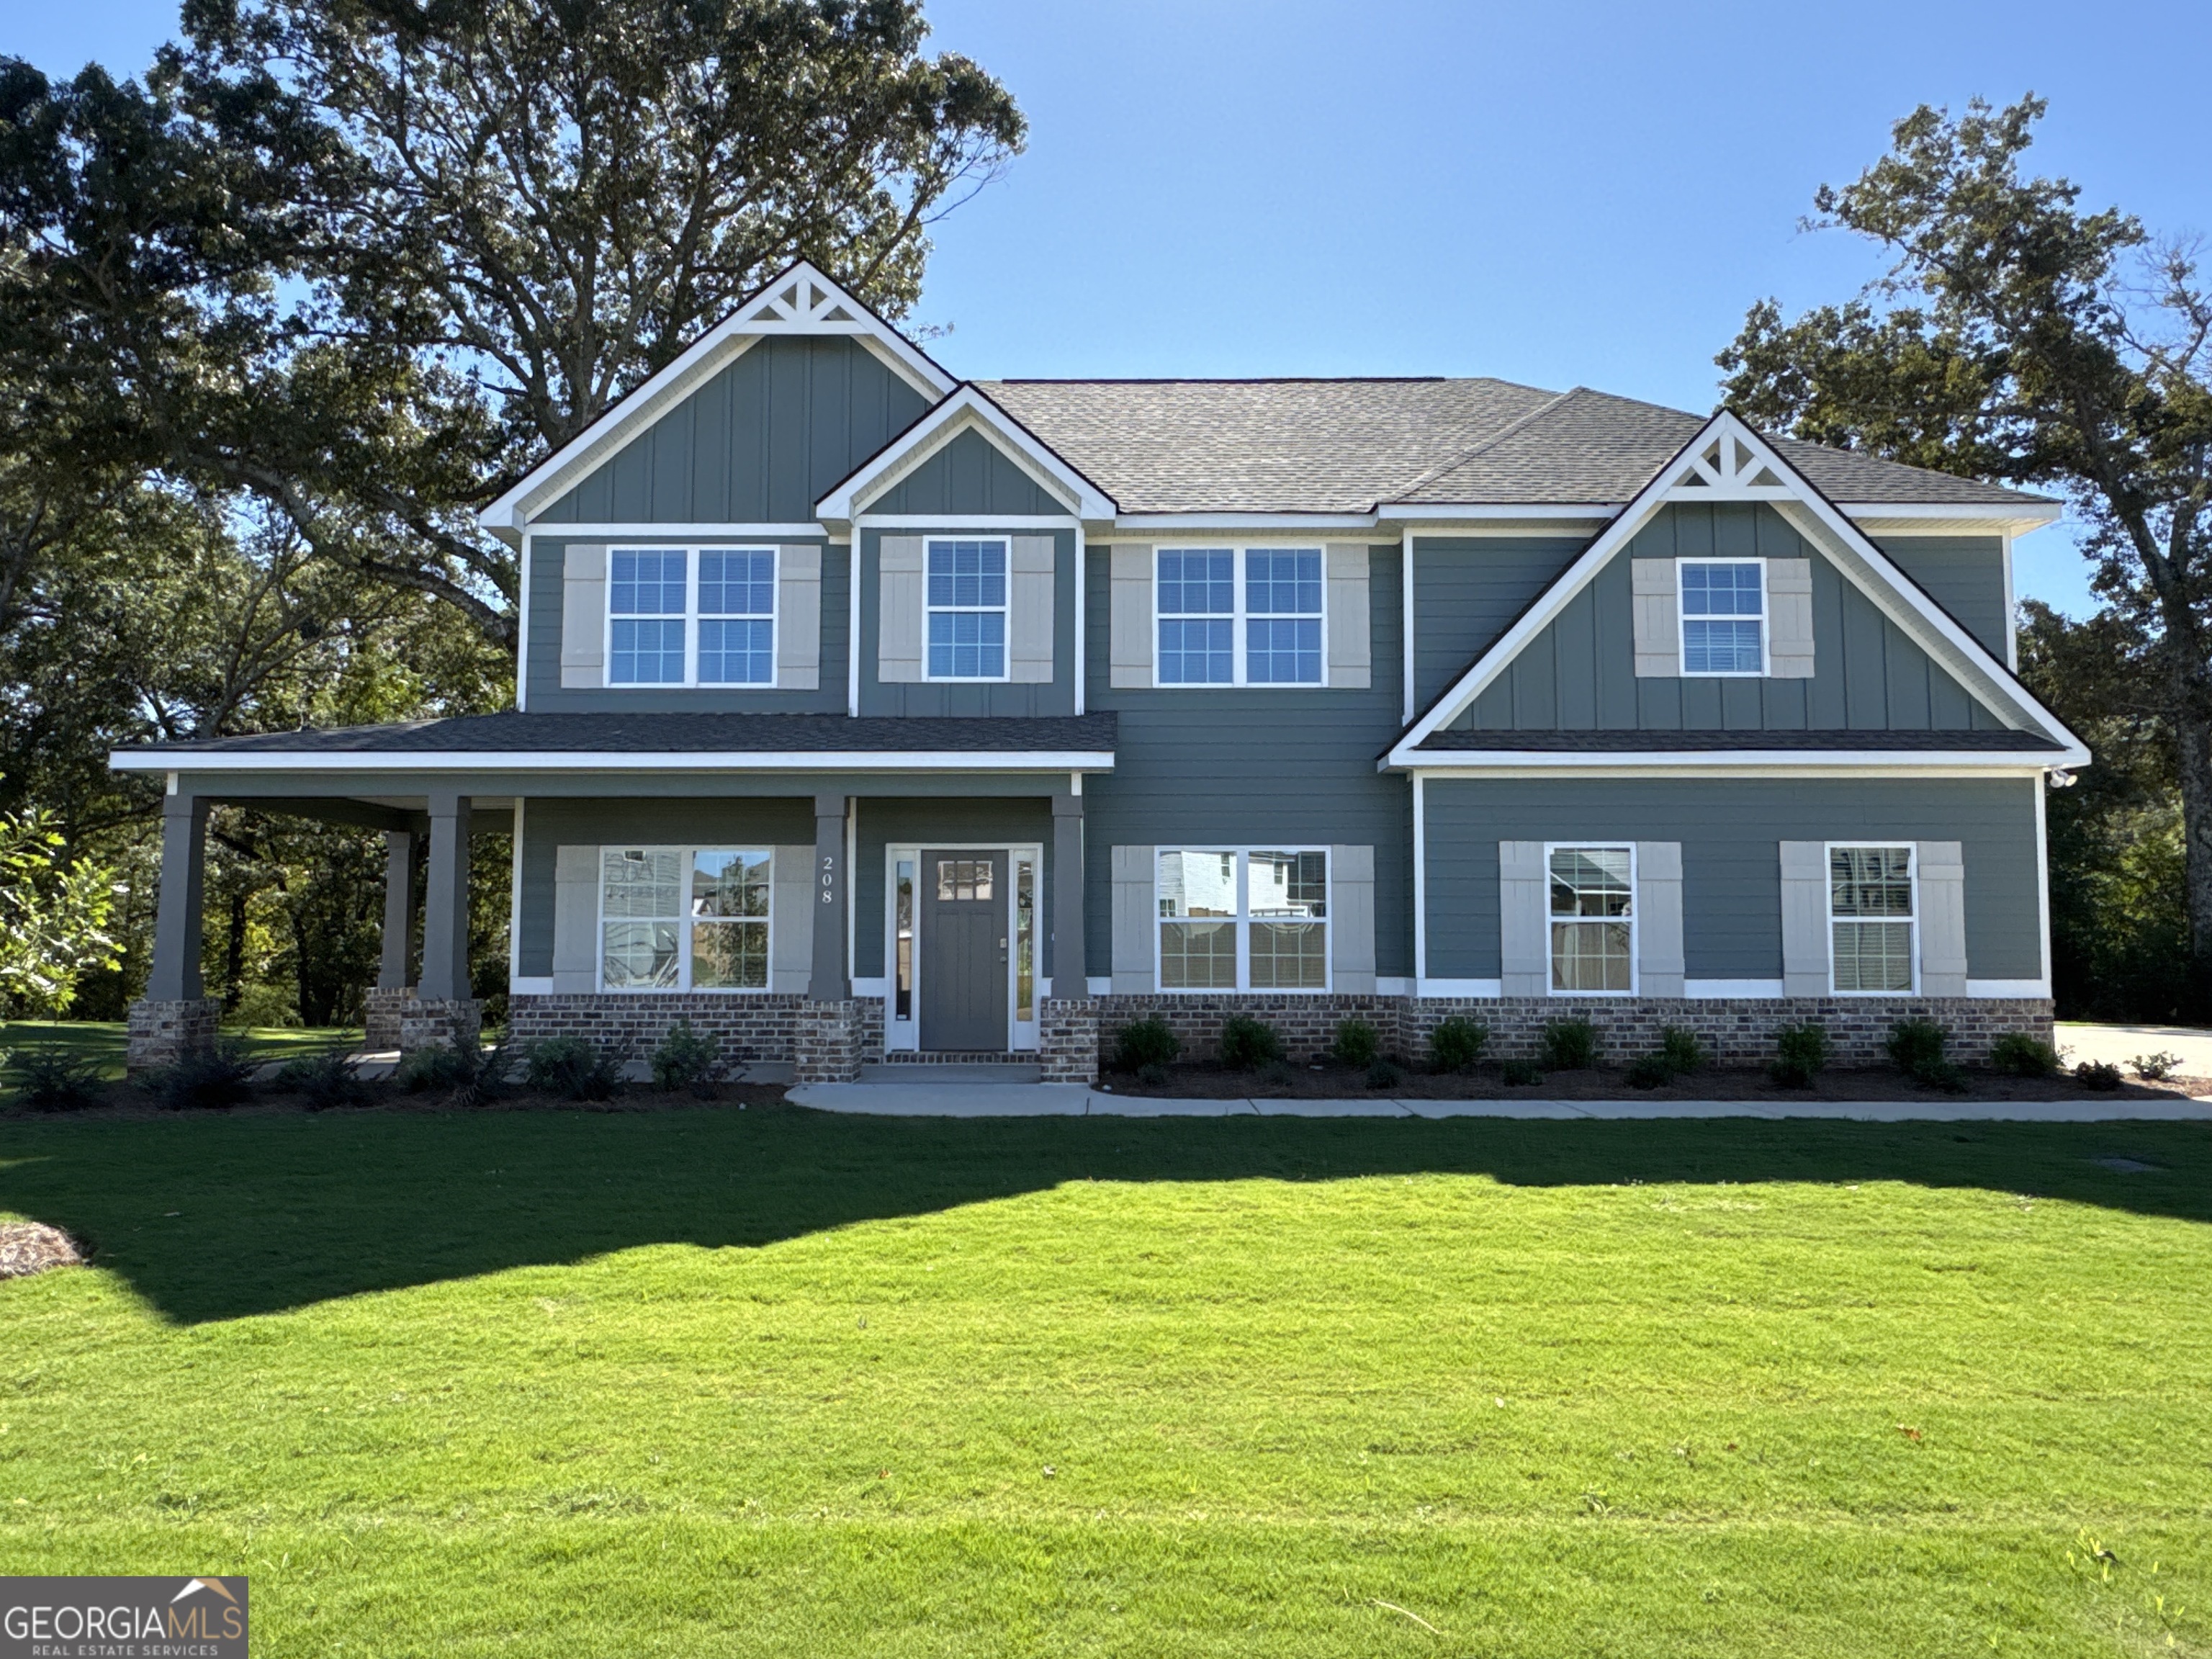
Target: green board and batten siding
x=944, y=697
x=1964, y=575
x=1730, y=830
x=969, y=474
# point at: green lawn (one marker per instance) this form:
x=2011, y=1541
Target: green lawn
x=102, y=1039
x=713, y=1381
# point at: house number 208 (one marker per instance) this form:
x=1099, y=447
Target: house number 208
x=829, y=879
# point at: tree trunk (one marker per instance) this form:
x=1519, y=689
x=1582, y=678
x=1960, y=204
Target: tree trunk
x=234, y=955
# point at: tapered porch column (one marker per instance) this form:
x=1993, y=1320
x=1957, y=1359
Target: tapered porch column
x=1069, y=973
x=829, y=981
x=175, y=1017
x=401, y=850
x=445, y=901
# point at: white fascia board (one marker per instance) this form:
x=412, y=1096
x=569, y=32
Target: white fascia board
x=756, y=318
x=685, y=533
x=967, y=407
x=824, y=760
x=1493, y=763
x=971, y=521
x=1993, y=517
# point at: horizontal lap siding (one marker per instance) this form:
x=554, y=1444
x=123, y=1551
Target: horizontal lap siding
x=1468, y=590
x=548, y=557
x=548, y=825
x=946, y=823
x=1578, y=674
x=1254, y=766
x=1730, y=832
x=928, y=697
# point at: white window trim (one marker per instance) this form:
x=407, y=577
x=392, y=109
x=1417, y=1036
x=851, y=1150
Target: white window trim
x=1237, y=615
x=1913, y=878
x=691, y=618
x=1242, y=922
x=904, y=1035
x=683, y=920
x=1683, y=619
x=1635, y=917
x=1005, y=608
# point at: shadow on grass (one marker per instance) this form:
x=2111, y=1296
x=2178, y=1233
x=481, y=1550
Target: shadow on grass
x=275, y=1211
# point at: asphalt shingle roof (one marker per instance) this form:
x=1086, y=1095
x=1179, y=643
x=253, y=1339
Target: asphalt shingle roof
x=512, y=732
x=1345, y=446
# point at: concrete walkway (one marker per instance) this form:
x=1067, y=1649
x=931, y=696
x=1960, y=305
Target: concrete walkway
x=2117, y=1045
x=970, y=1099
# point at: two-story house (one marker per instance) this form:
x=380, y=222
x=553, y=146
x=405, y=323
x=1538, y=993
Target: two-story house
x=866, y=712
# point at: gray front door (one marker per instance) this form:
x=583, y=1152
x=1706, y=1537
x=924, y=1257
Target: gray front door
x=963, y=950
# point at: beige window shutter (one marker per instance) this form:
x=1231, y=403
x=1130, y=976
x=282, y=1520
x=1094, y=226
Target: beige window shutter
x=1941, y=902
x=1130, y=654
x=1351, y=919
x=1135, y=920
x=900, y=608
x=1350, y=626
x=584, y=614
x=575, y=921
x=1029, y=606
x=1524, y=925
x=791, y=920
x=1789, y=618
x=1658, y=615
x=799, y=618
x=1658, y=908
x=1806, y=937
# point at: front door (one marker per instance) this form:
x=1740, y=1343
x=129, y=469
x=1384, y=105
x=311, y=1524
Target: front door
x=963, y=950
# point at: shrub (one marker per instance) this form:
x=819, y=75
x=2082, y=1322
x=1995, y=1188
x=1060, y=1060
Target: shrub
x=435, y=1070
x=2100, y=1075
x=2152, y=1068
x=323, y=1080
x=1570, y=1045
x=1382, y=1074
x=2019, y=1054
x=1456, y=1043
x=204, y=1079
x=1145, y=1042
x=1681, y=1050
x=685, y=1059
x=1651, y=1072
x=569, y=1069
x=1247, y=1043
x=1800, y=1052
x=1918, y=1048
x=52, y=1078
x=1152, y=1074
x=1520, y=1073
x=1358, y=1044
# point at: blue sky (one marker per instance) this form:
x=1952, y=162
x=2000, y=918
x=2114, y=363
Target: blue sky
x=1566, y=194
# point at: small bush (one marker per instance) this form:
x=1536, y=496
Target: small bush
x=1145, y=1042
x=1918, y=1048
x=435, y=1071
x=1570, y=1045
x=569, y=1069
x=52, y=1078
x=1457, y=1043
x=1651, y=1072
x=1800, y=1053
x=1358, y=1044
x=1681, y=1050
x=1249, y=1043
x=2152, y=1068
x=1382, y=1074
x=205, y=1079
x=494, y=1076
x=1520, y=1073
x=2100, y=1075
x=686, y=1061
x=2018, y=1054
x=1152, y=1074
x=323, y=1080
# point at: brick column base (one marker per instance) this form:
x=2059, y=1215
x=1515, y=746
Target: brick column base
x=440, y=1023
x=381, y=1006
x=163, y=1033
x=826, y=1046
x=1067, y=1039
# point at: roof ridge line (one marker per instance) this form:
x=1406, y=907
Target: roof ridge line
x=1491, y=441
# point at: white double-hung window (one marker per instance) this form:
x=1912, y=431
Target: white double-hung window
x=691, y=616
x=1871, y=917
x=1593, y=912
x=1219, y=625
x=1724, y=616
x=1232, y=920
x=967, y=604
x=683, y=919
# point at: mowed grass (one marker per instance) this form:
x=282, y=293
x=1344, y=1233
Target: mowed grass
x=103, y=1039
x=715, y=1381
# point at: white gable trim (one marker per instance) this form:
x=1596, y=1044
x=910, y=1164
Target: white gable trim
x=799, y=301
x=966, y=409
x=1728, y=461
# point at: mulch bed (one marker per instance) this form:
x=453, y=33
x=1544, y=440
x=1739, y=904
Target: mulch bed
x=32, y=1247
x=1212, y=1082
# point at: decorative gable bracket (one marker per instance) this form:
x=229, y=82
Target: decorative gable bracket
x=1721, y=467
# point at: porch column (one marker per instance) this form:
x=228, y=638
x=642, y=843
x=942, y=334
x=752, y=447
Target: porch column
x=1070, y=977
x=176, y=975
x=445, y=901
x=830, y=982
x=400, y=855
